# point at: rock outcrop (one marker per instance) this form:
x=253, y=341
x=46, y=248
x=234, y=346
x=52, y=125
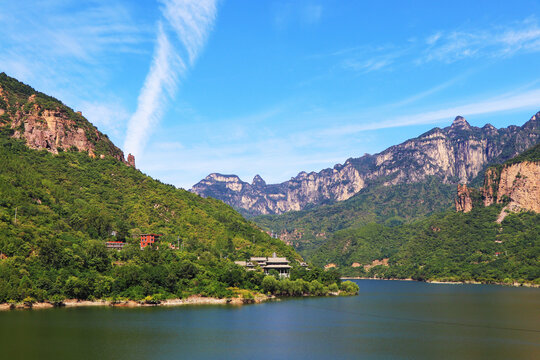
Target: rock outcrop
x=455, y=154
x=520, y=185
x=45, y=123
x=131, y=160
x=516, y=184
x=463, y=200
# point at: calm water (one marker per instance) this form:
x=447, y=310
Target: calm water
x=389, y=319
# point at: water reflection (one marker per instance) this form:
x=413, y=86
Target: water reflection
x=387, y=320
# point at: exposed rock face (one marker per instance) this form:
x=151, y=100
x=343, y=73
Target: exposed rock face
x=516, y=184
x=463, y=200
x=131, y=160
x=45, y=123
x=455, y=154
x=520, y=185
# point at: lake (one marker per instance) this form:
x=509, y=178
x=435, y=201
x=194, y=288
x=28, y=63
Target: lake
x=389, y=319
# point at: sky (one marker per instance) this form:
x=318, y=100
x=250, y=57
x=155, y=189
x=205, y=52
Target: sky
x=274, y=87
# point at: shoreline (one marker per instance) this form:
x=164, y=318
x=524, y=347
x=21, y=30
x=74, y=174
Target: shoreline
x=192, y=300
x=514, y=284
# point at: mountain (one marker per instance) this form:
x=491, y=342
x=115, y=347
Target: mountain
x=65, y=190
x=43, y=122
x=515, y=183
x=455, y=154
x=494, y=236
x=389, y=205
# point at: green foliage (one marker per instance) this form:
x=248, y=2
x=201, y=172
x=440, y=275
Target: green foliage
x=532, y=154
x=448, y=247
x=18, y=103
x=350, y=288
x=57, y=212
x=388, y=205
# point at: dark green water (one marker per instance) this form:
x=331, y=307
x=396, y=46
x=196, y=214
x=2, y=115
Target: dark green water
x=389, y=319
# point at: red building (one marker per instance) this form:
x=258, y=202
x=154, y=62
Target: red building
x=148, y=239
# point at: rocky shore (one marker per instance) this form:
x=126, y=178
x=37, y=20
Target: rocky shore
x=515, y=284
x=192, y=300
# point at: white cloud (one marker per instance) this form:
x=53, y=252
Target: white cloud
x=521, y=37
x=524, y=100
x=433, y=38
x=109, y=116
x=191, y=20
x=160, y=83
x=47, y=41
x=444, y=47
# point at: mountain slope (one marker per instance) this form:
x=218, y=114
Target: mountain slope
x=390, y=205
x=457, y=153
x=45, y=123
x=477, y=244
x=59, y=204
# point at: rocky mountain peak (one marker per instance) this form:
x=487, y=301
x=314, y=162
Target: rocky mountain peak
x=534, y=122
x=258, y=181
x=460, y=123
x=457, y=153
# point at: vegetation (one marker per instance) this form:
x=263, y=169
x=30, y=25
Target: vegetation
x=17, y=102
x=57, y=212
x=387, y=205
x=447, y=247
x=532, y=154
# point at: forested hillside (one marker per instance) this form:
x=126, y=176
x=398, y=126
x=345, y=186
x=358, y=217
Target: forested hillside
x=56, y=211
x=450, y=246
x=479, y=245
x=65, y=190
x=388, y=205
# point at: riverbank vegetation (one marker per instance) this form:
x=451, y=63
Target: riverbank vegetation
x=58, y=211
x=449, y=246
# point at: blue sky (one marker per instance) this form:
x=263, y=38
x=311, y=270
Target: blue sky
x=274, y=87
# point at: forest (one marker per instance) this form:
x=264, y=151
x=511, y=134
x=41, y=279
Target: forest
x=58, y=211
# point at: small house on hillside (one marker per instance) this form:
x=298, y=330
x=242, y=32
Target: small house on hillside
x=149, y=239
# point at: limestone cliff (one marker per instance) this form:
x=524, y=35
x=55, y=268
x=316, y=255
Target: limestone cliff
x=45, y=123
x=463, y=200
x=519, y=184
x=516, y=183
x=455, y=154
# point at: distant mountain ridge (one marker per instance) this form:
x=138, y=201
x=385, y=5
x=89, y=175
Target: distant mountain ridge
x=454, y=154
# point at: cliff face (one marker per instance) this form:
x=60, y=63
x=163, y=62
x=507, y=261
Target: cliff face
x=45, y=123
x=463, y=200
x=455, y=154
x=516, y=183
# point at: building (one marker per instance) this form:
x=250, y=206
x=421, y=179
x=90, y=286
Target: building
x=267, y=264
x=115, y=245
x=149, y=239
x=280, y=264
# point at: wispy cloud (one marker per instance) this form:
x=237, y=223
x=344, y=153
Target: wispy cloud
x=309, y=141
x=448, y=47
x=73, y=51
x=37, y=36
x=443, y=46
x=515, y=101
x=191, y=21
x=111, y=115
